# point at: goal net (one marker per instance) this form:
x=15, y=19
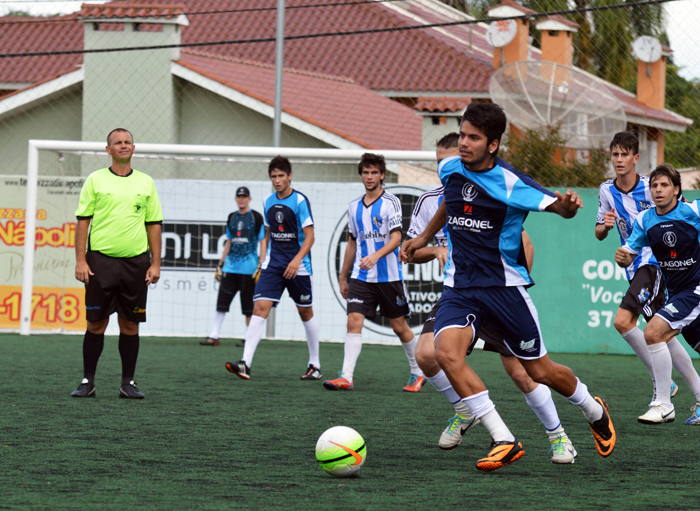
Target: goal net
x=196, y=186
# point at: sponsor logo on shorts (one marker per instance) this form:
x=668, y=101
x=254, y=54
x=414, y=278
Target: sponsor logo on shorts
x=671, y=309
x=528, y=346
x=355, y=300
x=138, y=310
x=400, y=301
x=677, y=264
x=92, y=307
x=469, y=192
x=643, y=295
x=305, y=298
x=670, y=239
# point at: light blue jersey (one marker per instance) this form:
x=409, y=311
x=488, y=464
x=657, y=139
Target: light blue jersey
x=286, y=219
x=627, y=206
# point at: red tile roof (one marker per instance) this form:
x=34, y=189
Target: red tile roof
x=130, y=10
x=335, y=104
x=441, y=104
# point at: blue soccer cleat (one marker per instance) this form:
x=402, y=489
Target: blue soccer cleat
x=694, y=420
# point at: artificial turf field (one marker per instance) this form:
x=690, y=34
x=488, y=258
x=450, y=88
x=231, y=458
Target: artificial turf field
x=204, y=439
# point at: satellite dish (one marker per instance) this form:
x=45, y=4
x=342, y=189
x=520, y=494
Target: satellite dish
x=536, y=95
x=647, y=49
x=501, y=32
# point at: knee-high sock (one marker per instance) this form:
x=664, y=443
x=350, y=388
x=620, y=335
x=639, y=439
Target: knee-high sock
x=483, y=408
x=663, y=367
x=252, y=338
x=129, y=351
x=92, y=349
x=218, y=321
x=312, y=335
x=353, y=347
x=591, y=409
x=444, y=387
x=540, y=400
x=684, y=365
x=635, y=338
x=410, y=349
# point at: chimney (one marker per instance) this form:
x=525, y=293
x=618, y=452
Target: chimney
x=131, y=89
x=651, y=81
x=557, y=39
x=517, y=49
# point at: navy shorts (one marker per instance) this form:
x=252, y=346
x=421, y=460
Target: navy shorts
x=508, y=309
x=271, y=284
x=682, y=312
x=391, y=297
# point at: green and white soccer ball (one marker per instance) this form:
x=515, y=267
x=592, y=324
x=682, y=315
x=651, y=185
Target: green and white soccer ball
x=341, y=451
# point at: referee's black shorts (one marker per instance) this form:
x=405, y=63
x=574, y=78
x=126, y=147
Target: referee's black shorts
x=232, y=283
x=118, y=285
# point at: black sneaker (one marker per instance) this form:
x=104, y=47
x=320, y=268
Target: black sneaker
x=241, y=344
x=85, y=389
x=239, y=369
x=312, y=373
x=210, y=341
x=129, y=391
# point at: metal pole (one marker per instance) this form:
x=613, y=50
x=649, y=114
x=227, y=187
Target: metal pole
x=277, y=122
x=25, y=318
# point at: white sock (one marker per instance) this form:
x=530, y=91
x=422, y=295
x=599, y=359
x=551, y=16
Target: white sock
x=540, y=400
x=684, y=365
x=663, y=368
x=312, y=335
x=218, y=321
x=556, y=433
x=252, y=338
x=444, y=387
x=410, y=349
x=591, y=408
x=635, y=338
x=353, y=347
x=483, y=408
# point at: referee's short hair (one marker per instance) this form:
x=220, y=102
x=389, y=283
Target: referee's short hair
x=115, y=130
x=279, y=163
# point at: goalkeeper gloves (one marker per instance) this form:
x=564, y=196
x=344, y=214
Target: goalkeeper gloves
x=218, y=272
x=256, y=275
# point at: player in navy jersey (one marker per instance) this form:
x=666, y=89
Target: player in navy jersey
x=537, y=396
x=620, y=200
x=672, y=230
x=374, y=222
x=289, y=226
x=486, y=202
x=239, y=263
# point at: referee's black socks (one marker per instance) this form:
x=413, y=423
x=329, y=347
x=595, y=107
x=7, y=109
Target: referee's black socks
x=92, y=349
x=129, y=351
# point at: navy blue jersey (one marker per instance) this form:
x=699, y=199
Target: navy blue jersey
x=244, y=231
x=485, y=215
x=674, y=239
x=286, y=219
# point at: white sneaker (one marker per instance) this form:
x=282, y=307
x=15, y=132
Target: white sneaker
x=658, y=414
x=455, y=430
x=562, y=450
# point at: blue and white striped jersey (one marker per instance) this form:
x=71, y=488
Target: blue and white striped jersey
x=627, y=206
x=674, y=239
x=286, y=219
x=424, y=211
x=485, y=215
x=371, y=226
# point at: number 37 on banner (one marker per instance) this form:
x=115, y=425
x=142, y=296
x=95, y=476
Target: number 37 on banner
x=52, y=308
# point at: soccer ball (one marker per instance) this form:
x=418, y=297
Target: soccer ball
x=341, y=451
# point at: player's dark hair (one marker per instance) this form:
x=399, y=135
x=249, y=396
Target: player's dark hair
x=625, y=140
x=123, y=130
x=279, y=163
x=488, y=118
x=372, y=160
x=670, y=172
x=448, y=141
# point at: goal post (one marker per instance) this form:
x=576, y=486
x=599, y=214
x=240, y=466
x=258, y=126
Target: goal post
x=328, y=176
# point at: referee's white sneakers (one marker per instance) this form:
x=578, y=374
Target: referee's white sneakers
x=658, y=414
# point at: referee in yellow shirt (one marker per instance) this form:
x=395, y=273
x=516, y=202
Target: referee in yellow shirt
x=120, y=206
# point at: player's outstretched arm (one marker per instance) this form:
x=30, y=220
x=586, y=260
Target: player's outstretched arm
x=82, y=270
x=293, y=266
x=601, y=230
x=154, y=241
x=426, y=254
x=623, y=257
x=410, y=246
x=567, y=205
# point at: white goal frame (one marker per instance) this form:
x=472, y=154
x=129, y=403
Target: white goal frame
x=342, y=155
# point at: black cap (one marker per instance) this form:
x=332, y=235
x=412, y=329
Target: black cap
x=242, y=191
